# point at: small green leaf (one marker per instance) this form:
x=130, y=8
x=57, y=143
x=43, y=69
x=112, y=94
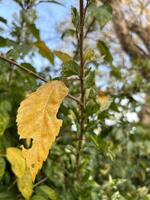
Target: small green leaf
x=49, y=192
x=68, y=32
x=70, y=68
x=89, y=54
x=45, y=51
x=90, y=79
x=3, y=20
x=29, y=66
x=104, y=50
x=2, y=166
x=3, y=42
x=75, y=17
x=34, y=30
x=115, y=71
x=63, y=56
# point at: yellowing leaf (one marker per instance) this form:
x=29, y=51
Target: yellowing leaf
x=25, y=185
x=18, y=164
x=15, y=157
x=63, y=56
x=103, y=100
x=37, y=119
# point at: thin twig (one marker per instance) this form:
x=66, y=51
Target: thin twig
x=22, y=67
x=12, y=185
x=33, y=74
x=40, y=182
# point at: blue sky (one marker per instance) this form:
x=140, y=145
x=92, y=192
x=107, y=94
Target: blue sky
x=49, y=17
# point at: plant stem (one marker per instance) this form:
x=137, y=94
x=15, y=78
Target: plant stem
x=22, y=67
x=33, y=74
x=81, y=37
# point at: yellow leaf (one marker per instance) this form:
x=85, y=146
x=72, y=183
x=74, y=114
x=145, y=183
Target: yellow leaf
x=15, y=157
x=37, y=119
x=25, y=185
x=63, y=56
x=18, y=164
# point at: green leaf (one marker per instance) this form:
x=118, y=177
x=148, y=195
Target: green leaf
x=75, y=17
x=3, y=20
x=48, y=191
x=63, y=56
x=90, y=79
x=70, y=68
x=2, y=166
x=3, y=42
x=34, y=30
x=89, y=54
x=5, y=107
x=28, y=66
x=102, y=13
x=104, y=50
x=45, y=51
x=115, y=71
x=68, y=32
x=38, y=197
x=55, y=2
x=6, y=42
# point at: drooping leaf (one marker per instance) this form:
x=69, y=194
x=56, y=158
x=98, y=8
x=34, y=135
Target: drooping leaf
x=104, y=50
x=36, y=119
x=34, y=30
x=63, y=56
x=45, y=51
x=70, y=68
x=18, y=164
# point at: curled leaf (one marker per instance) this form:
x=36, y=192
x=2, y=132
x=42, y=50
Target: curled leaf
x=37, y=119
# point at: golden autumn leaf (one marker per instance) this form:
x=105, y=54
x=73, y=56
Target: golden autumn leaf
x=36, y=119
x=25, y=185
x=18, y=165
x=15, y=157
